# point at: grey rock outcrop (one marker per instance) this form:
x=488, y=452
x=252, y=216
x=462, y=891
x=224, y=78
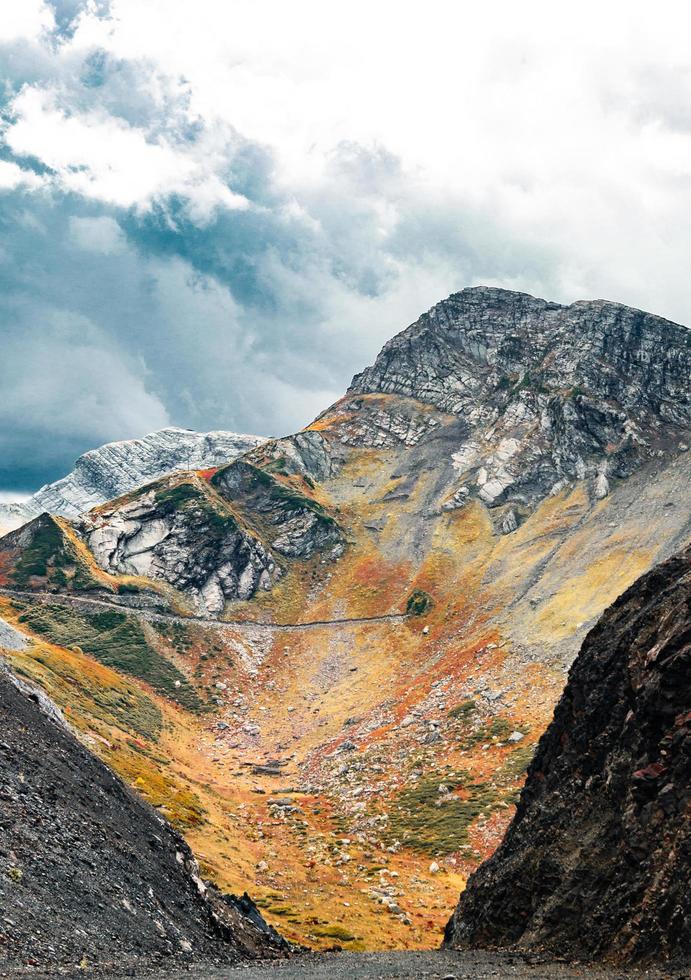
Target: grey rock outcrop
x=11, y=638
x=118, y=467
x=178, y=531
x=213, y=540
x=295, y=525
x=471, y=345
x=548, y=394
x=306, y=454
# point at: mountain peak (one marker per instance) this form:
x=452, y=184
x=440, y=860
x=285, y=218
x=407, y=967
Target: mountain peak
x=117, y=467
x=478, y=347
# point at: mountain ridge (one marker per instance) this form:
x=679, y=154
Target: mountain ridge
x=117, y=467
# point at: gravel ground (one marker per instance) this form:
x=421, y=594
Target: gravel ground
x=435, y=964
x=440, y=964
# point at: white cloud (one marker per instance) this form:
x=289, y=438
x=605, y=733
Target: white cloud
x=106, y=159
x=86, y=385
x=13, y=177
x=24, y=19
x=102, y=235
x=552, y=120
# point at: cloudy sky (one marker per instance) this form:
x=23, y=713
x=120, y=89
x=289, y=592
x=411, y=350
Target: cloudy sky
x=214, y=212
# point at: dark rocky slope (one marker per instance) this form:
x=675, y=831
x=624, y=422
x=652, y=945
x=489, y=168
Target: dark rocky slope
x=88, y=873
x=597, y=860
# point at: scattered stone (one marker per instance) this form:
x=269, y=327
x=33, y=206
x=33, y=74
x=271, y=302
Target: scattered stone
x=509, y=523
x=601, y=488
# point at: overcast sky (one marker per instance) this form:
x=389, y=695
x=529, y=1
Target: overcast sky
x=214, y=212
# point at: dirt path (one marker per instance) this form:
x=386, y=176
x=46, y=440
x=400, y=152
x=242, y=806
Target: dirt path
x=52, y=598
x=439, y=964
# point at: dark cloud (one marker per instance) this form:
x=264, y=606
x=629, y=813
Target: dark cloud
x=114, y=321
x=66, y=13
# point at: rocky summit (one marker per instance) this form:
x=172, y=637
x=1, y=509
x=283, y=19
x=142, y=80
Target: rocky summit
x=547, y=394
x=117, y=467
x=596, y=861
x=328, y=661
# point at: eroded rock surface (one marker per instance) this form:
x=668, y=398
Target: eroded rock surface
x=296, y=525
x=178, y=531
x=90, y=875
x=597, y=859
x=550, y=394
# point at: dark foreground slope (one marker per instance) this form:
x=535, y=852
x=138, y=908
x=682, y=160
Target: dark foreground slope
x=89, y=874
x=598, y=857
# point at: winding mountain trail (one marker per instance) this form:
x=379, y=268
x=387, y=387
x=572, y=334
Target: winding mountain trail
x=52, y=598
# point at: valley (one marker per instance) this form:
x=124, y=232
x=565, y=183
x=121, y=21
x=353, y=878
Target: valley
x=328, y=662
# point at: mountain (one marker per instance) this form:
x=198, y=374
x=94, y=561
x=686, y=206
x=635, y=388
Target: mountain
x=213, y=539
x=90, y=875
x=117, y=467
x=596, y=860
x=548, y=395
x=354, y=636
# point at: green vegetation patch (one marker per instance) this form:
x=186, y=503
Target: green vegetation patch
x=128, y=588
x=419, y=603
x=425, y=819
x=178, y=496
x=277, y=465
x=517, y=763
x=497, y=728
x=334, y=932
x=193, y=498
x=268, y=503
x=121, y=704
x=50, y=555
x=243, y=478
x=464, y=710
x=116, y=640
x=176, y=634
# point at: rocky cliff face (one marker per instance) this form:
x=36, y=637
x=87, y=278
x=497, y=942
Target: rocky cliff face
x=179, y=531
x=212, y=540
x=296, y=524
x=597, y=859
x=118, y=467
x=548, y=394
x=90, y=875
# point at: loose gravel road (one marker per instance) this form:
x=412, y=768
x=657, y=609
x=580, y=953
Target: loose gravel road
x=434, y=964
x=439, y=964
